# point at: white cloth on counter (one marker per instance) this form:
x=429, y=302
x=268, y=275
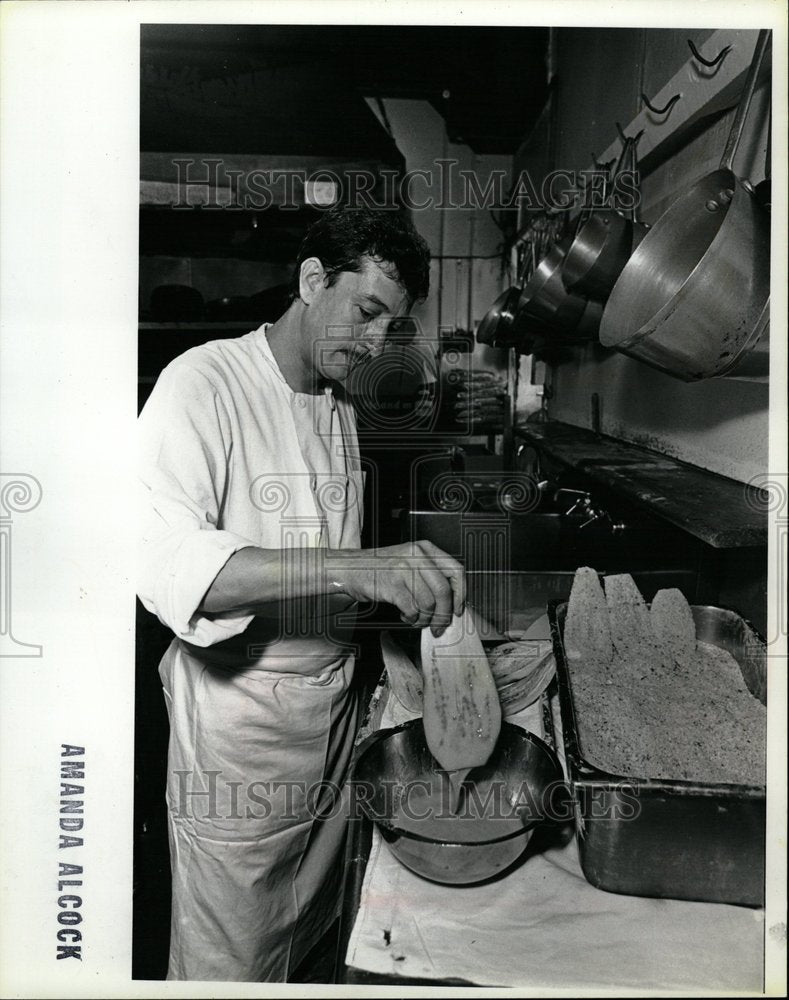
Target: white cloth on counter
x=543, y=926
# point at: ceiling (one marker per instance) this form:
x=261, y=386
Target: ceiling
x=282, y=89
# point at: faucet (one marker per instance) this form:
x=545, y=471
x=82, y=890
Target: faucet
x=583, y=505
x=582, y=499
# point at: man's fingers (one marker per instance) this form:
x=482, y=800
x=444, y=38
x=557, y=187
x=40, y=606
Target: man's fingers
x=451, y=569
x=403, y=599
x=432, y=597
x=441, y=597
x=426, y=584
x=424, y=599
x=459, y=592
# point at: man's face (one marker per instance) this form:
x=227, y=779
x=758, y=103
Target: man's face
x=347, y=321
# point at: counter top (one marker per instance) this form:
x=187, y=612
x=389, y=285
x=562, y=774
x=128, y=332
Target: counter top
x=721, y=512
x=542, y=926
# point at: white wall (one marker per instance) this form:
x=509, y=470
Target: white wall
x=451, y=232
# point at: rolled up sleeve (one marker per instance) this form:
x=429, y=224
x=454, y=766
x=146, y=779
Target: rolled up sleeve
x=184, y=452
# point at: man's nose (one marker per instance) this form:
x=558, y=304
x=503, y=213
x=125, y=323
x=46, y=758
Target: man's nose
x=376, y=347
x=375, y=337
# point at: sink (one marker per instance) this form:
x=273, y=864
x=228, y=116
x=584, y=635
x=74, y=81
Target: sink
x=504, y=522
x=483, y=540
x=548, y=540
x=523, y=558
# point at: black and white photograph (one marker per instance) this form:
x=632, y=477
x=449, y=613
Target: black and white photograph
x=394, y=453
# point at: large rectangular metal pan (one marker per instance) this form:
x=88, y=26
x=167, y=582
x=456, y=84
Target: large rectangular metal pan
x=671, y=839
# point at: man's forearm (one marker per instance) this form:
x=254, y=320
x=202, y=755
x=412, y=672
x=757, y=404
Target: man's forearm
x=425, y=584
x=257, y=576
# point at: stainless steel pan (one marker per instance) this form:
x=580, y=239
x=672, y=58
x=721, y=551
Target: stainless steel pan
x=690, y=299
x=497, y=328
x=603, y=243
x=545, y=301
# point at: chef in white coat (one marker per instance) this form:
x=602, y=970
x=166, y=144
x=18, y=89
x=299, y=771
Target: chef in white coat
x=251, y=493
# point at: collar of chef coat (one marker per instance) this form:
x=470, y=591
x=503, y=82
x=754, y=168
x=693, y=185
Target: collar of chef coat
x=326, y=432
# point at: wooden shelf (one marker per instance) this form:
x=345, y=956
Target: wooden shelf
x=707, y=506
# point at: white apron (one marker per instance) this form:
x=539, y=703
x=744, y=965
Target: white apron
x=232, y=457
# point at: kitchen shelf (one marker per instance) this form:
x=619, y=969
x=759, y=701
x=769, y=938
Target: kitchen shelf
x=707, y=506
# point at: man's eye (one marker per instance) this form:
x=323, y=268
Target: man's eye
x=366, y=315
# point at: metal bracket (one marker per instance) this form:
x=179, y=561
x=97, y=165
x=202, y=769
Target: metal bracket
x=660, y=111
x=709, y=62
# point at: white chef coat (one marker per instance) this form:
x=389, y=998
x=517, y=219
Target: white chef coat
x=260, y=711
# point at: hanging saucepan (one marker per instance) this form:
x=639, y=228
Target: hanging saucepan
x=503, y=326
x=498, y=327
x=589, y=324
x=545, y=301
x=604, y=242
x=498, y=323
x=763, y=190
x=689, y=299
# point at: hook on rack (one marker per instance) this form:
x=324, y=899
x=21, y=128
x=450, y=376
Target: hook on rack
x=624, y=138
x=709, y=62
x=601, y=166
x=660, y=111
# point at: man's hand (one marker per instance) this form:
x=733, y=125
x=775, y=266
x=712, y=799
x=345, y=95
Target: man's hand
x=425, y=584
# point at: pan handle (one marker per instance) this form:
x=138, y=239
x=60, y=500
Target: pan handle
x=623, y=159
x=745, y=101
x=633, y=168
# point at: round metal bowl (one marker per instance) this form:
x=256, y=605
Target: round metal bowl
x=522, y=784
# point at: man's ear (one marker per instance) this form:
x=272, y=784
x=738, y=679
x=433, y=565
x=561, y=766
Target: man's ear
x=311, y=278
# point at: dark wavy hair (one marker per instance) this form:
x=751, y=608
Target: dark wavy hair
x=343, y=236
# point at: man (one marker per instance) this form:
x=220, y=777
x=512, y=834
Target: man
x=252, y=500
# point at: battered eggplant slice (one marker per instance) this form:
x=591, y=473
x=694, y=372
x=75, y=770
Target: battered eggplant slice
x=587, y=632
x=461, y=710
x=673, y=625
x=629, y=621
x=405, y=678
